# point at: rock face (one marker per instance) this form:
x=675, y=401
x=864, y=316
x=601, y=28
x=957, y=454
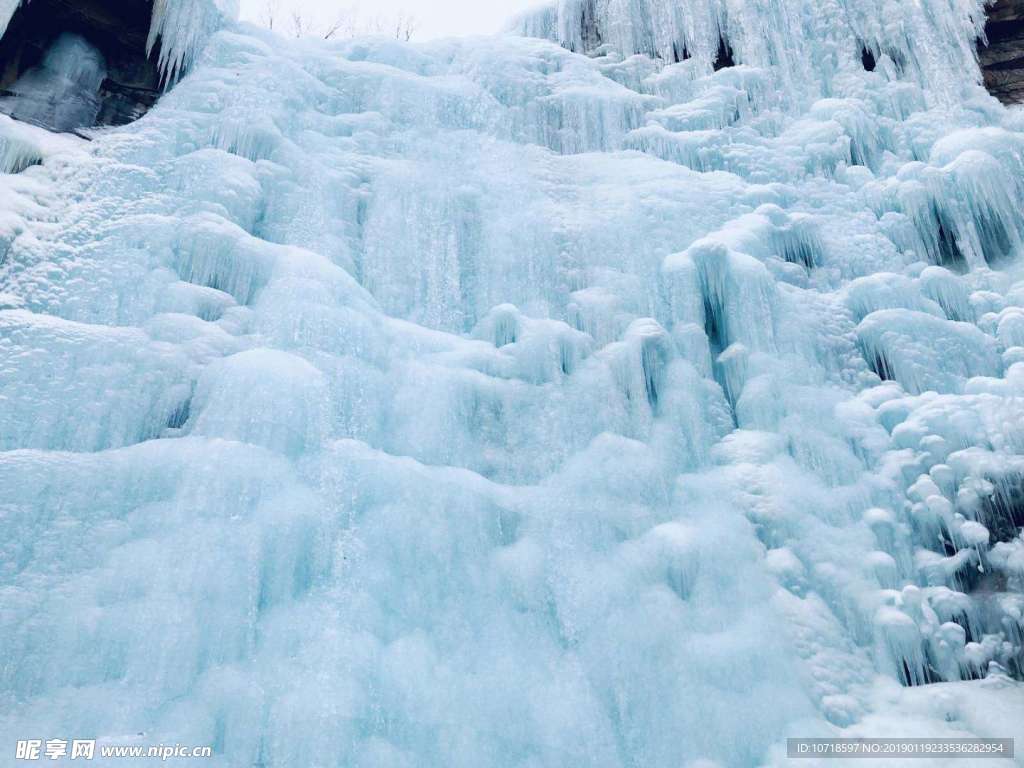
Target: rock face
x=118, y=29
x=1002, y=60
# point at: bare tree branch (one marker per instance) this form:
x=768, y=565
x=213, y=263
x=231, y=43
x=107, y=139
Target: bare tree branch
x=298, y=24
x=405, y=26
x=345, y=23
x=268, y=16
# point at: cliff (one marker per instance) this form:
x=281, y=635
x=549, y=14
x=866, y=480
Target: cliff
x=1002, y=59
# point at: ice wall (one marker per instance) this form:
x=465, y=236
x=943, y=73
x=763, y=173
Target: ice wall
x=806, y=43
x=486, y=403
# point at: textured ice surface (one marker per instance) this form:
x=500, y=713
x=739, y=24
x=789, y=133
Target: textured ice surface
x=486, y=403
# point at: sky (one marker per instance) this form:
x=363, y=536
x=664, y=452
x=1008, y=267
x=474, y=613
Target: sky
x=435, y=18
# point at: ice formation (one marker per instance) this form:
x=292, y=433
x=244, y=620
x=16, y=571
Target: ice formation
x=180, y=27
x=639, y=390
x=62, y=91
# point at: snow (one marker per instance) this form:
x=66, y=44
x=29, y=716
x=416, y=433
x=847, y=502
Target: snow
x=486, y=403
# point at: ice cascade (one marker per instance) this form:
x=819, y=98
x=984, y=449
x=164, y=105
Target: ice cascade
x=641, y=389
x=63, y=91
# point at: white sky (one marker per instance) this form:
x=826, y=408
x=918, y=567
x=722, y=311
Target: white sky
x=435, y=18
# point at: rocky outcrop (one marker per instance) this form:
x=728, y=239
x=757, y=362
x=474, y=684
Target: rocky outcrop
x=117, y=28
x=1002, y=58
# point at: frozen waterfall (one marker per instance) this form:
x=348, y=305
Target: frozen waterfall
x=62, y=91
x=639, y=388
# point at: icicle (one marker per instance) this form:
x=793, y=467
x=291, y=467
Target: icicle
x=799, y=244
x=654, y=351
x=900, y=646
x=710, y=31
x=501, y=326
x=1002, y=509
x=543, y=350
x=733, y=366
x=212, y=253
x=729, y=293
x=949, y=291
x=17, y=153
x=907, y=346
x=182, y=27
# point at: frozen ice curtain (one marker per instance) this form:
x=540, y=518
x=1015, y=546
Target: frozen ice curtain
x=641, y=392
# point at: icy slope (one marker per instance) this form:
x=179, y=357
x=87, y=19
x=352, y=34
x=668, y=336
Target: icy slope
x=482, y=403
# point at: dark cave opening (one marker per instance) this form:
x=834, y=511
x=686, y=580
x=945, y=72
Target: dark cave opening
x=118, y=30
x=867, y=59
x=725, y=57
